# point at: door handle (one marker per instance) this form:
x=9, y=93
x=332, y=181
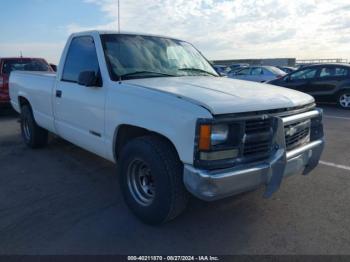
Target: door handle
x=58, y=93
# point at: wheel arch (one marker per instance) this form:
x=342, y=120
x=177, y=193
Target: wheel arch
x=126, y=132
x=22, y=100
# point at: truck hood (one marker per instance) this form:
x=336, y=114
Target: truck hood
x=224, y=95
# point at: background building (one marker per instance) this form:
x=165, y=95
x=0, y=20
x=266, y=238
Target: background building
x=280, y=61
x=268, y=61
x=320, y=61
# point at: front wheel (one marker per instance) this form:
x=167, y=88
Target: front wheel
x=33, y=135
x=151, y=179
x=344, y=99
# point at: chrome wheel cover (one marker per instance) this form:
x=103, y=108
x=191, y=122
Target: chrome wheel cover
x=344, y=100
x=26, y=129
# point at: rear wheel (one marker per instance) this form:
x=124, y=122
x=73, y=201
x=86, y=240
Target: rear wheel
x=150, y=174
x=33, y=135
x=344, y=99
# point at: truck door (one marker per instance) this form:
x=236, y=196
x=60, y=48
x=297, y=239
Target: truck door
x=79, y=110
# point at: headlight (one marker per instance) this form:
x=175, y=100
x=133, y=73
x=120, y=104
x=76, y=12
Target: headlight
x=219, y=134
x=212, y=135
x=216, y=142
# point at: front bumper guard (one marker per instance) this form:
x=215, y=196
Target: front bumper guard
x=213, y=185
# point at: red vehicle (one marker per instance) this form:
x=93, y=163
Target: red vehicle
x=7, y=65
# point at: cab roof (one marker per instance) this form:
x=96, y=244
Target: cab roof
x=111, y=32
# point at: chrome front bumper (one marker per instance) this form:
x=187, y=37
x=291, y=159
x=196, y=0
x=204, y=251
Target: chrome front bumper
x=217, y=184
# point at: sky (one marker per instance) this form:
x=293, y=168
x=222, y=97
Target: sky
x=221, y=29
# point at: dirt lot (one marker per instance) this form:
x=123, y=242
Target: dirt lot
x=63, y=200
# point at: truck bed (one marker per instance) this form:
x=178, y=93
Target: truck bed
x=37, y=87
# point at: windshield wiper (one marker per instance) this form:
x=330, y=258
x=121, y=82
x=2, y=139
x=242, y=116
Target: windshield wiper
x=197, y=70
x=145, y=73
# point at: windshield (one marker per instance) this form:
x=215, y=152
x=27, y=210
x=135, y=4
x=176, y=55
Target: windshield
x=24, y=65
x=136, y=56
x=276, y=70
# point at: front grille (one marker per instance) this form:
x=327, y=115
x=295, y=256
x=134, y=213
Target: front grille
x=257, y=139
x=257, y=126
x=297, y=134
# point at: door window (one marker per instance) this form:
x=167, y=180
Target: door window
x=304, y=74
x=327, y=72
x=244, y=72
x=257, y=71
x=26, y=64
x=81, y=57
x=333, y=72
x=267, y=72
x=341, y=71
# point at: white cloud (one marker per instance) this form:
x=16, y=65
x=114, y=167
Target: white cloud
x=224, y=29
x=239, y=28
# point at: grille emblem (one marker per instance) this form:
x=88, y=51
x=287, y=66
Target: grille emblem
x=264, y=117
x=291, y=131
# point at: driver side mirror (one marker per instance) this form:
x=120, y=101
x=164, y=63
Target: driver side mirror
x=89, y=79
x=287, y=79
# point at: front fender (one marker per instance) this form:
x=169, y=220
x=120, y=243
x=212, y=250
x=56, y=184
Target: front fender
x=169, y=116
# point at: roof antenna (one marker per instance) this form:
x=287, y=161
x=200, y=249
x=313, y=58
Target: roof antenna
x=119, y=16
x=21, y=55
x=120, y=77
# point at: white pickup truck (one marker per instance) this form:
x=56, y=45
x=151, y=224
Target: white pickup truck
x=156, y=107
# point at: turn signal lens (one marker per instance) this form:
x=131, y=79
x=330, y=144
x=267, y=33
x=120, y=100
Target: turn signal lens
x=204, y=137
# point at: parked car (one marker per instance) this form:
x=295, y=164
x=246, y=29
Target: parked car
x=258, y=73
x=325, y=82
x=7, y=65
x=172, y=125
x=220, y=69
x=287, y=69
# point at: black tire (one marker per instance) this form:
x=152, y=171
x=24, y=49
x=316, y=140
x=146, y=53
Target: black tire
x=170, y=197
x=341, y=102
x=33, y=135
